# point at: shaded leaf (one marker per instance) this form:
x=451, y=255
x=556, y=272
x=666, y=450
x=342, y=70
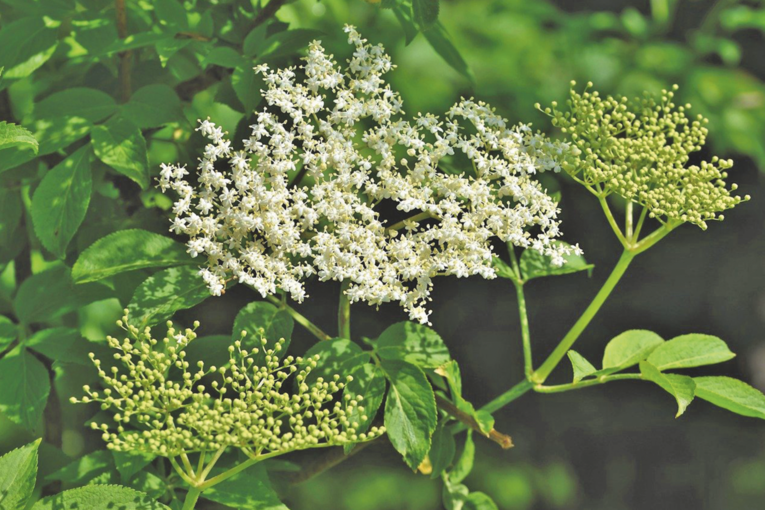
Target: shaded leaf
x=8, y=331
x=337, y=356
x=130, y=463
x=535, y=265
x=84, y=469
x=503, y=270
x=61, y=344
x=369, y=382
x=91, y=104
x=120, y=144
x=12, y=135
x=25, y=45
x=223, y=56
x=61, y=201
x=439, y=39
x=414, y=343
x=731, y=394
x=24, y=388
x=128, y=250
x=464, y=464
x=250, y=488
x=166, y=292
x=679, y=386
x=425, y=12
x=152, y=106
x=442, y=450
x=18, y=474
x=99, y=497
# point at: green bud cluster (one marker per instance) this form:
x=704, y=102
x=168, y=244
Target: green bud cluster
x=246, y=406
x=639, y=149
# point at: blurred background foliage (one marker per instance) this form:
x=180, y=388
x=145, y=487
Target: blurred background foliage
x=613, y=447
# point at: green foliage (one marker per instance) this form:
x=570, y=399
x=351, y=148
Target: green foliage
x=582, y=368
x=688, y=351
x=96, y=497
x=369, y=383
x=88, y=103
x=165, y=292
x=12, y=135
x=120, y=145
x=731, y=394
x=535, y=265
x=261, y=319
x=248, y=489
x=336, y=356
x=18, y=471
x=25, y=389
x=679, y=386
x=442, y=450
x=410, y=411
x=414, y=343
x=629, y=348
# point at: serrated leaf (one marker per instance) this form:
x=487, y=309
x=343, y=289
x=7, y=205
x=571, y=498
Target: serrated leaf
x=171, y=13
x=84, y=469
x=133, y=41
x=439, y=39
x=414, y=343
x=731, y=394
x=630, y=348
x=91, y=104
x=246, y=85
x=679, y=386
x=451, y=372
x=535, y=265
x=130, y=463
x=425, y=12
x=52, y=293
x=275, y=323
x=410, y=411
x=582, y=368
x=24, y=388
x=164, y=293
x=336, y=356
x=128, y=250
x=255, y=42
x=212, y=349
x=250, y=488
x=61, y=344
x=287, y=42
x=153, y=106
x=8, y=332
x=688, y=351
x=404, y=17
x=18, y=474
x=25, y=45
x=368, y=382
x=12, y=135
x=120, y=145
x=224, y=56
x=464, y=464
x=61, y=201
x=99, y=497
x=442, y=449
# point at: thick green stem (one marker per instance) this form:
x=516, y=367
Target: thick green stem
x=344, y=312
x=191, y=498
x=560, y=351
x=559, y=388
x=501, y=401
x=524, y=318
x=612, y=220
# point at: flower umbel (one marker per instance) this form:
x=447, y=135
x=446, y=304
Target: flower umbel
x=246, y=406
x=639, y=149
x=329, y=151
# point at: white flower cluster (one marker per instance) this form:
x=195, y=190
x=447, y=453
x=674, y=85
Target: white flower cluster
x=344, y=136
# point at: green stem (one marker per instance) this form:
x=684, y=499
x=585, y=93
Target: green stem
x=584, y=384
x=417, y=217
x=639, y=226
x=344, y=312
x=524, y=318
x=560, y=351
x=191, y=498
x=628, y=221
x=611, y=220
x=300, y=319
x=513, y=393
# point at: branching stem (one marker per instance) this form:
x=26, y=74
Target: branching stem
x=344, y=312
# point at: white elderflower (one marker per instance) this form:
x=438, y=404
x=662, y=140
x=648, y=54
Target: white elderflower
x=464, y=179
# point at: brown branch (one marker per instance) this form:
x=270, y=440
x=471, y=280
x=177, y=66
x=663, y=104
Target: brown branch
x=501, y=439
x=125, y=57
x=267, y=11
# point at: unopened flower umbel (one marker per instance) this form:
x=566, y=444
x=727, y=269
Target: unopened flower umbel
x=245, y=406
x=463, y=179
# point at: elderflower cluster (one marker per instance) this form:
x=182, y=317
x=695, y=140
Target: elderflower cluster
x=640, y=149
x=165, y=407
x=463, y=180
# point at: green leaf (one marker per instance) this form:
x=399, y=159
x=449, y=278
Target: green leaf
x=250, y=488
x=246, y=85
x=171, y=13
x=454, y=495
x=164, y=293
x=414, y=343
x=61, y=344
x=287, y=43
x=255, y=41
x=128, y=250
x=12, y=135
x=439, y=39
x=582, y=367
x=679, y=386
x=404, y=17
x=10, y=217
x=479, y=501
x=337, y=356
x=84, y=469
x=224, y=56
x=24, y=388
x=425, y=12
x=630, y=348
x=120, y=144
x=451, y=372
x=52, y=293
x=213, y=350
x=61, y=201
x=25, y=45
x=464, y=464
x=731, y=394
x=152, y=106
x=688, y=351
x=276, y=324
x=99, y=497
x=133, y=42
x=442, y=449
x=130, y=463
x=535, y=265
x=8, y=332
x=18, y=473
x=503, y=270
x=410, y=411
x=369, y=382
x=91, y=104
